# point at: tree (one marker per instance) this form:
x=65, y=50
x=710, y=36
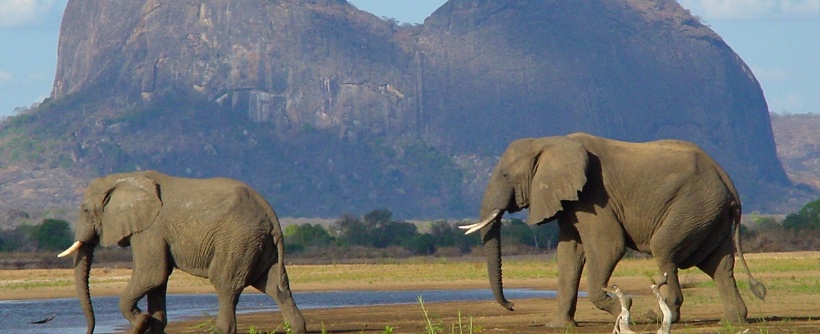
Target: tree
x=53, y=234
x=300, y=237
x=19, y=239
x=808, y=218
x=541, y=237
x=443, y=233
x=375, y=229
x=420, y=244
x=351, y=231
x=378, y=216
x=449, y=235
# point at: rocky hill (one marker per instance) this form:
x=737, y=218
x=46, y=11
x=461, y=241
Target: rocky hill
x=328, y=109
x=798, y=146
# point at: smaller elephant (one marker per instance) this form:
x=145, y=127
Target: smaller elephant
x=666, y=198
x=219, y=229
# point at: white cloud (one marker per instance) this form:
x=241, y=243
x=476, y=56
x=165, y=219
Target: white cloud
x=773, y=75
x=811, y=8
x=753, y=9
x=15, y=13
x=5, y=77
x=793, y=101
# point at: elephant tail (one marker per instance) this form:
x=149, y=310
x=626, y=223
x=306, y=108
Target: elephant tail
x=758, y=289
x=279, y=241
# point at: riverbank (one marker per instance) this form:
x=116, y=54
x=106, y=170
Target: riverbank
x=792, y=304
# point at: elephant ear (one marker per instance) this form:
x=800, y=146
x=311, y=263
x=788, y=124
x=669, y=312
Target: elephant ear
x=130, y=206
x=559, y=174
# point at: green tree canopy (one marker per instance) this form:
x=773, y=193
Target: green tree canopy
x=808, y=218
x=516, y=231
x=53, y=234
x=299, y=237
x=374, y=229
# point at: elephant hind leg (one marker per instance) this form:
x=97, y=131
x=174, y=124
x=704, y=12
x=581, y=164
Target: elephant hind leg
x=269, y=284
x=720, y=267
x=226, y=319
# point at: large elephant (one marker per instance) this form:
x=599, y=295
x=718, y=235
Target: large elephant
x=218, y=228
x=665, y=198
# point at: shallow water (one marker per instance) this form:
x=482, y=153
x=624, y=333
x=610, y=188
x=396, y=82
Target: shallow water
x=18, y=315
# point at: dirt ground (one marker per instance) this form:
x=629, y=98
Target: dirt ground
x=792, y=305
x=792, y=314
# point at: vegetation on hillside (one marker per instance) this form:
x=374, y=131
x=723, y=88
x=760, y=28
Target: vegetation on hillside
x=308, y=173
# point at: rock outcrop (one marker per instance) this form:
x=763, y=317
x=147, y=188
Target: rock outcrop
x=476, y=75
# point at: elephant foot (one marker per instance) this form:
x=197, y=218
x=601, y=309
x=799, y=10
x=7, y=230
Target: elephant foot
x=733, y=320
x=650, y=316
x=145, y=324
x=562, y=323
x=141, y=324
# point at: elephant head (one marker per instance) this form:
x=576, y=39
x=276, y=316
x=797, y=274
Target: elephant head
x=535, y=174
x=113, y=208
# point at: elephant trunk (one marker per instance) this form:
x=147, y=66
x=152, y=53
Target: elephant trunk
x=82, y=270
x=491, y=235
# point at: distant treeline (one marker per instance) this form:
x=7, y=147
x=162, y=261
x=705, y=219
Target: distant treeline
x=376, y=234
x=49, y=235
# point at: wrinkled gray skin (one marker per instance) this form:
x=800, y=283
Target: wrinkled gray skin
x=219, y=229
x=665, y=198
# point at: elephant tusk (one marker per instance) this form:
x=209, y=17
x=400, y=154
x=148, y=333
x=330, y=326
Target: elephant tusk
x=72, y=249
x=477, y=226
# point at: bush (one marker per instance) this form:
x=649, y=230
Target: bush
x=798, y=232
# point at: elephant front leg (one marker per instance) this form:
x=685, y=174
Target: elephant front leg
x=603, y=252
x=128, y=307
x=152, y=322
x=149, y=277
x=570, y=265
x=157, y=309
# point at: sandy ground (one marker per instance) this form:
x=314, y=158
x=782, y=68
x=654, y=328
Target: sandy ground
x=792, y=305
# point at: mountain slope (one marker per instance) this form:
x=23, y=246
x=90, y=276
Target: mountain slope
x=327, y=109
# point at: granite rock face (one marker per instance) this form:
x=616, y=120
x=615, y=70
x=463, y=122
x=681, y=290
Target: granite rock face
x=476, y=75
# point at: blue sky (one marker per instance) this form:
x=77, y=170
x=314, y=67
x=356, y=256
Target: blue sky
x=778, y=39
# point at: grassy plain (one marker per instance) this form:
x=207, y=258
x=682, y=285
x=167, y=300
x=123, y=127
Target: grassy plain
x=792, y=304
